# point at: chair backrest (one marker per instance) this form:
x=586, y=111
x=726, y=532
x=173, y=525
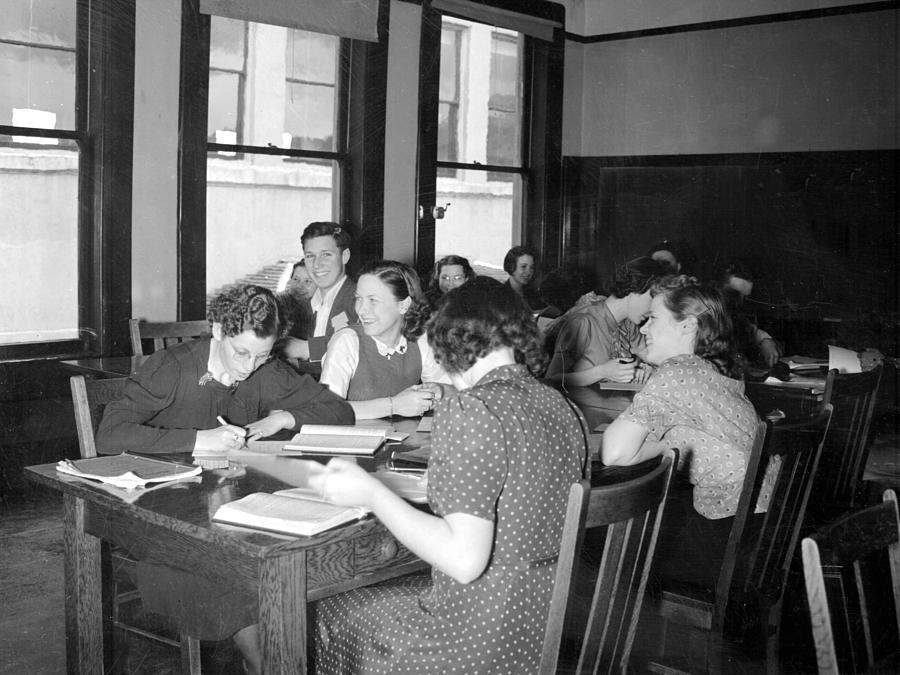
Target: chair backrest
x=631, y=513
x=765, y=552
x=89, y=398
x=835, y=564
x=853, y=397
x=164, y=334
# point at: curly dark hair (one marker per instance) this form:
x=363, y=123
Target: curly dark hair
x=342, y=236
x=450, y=260
x=513, y=255
x=404, y=283
x=636, y=276
x=246, y=307
x=479, y=317
x=684, y=296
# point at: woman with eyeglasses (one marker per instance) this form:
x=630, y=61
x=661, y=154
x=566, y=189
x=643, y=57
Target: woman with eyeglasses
x=174, y=402
x=695, y=402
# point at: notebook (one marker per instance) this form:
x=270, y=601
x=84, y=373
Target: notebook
x=330, y=439
x=127, y=470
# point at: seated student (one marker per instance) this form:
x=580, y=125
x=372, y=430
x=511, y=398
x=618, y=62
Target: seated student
x=171, y=405
x=384, y=365
x=692, y=402
x=754, y=344
x=326, y=250
x=599, y=341
x=677, y=256
x=449, y=272
x=293, y=302
x=492, y=540
x=519, y=263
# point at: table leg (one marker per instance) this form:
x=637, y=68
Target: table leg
x=83, y=577
x=282, y=614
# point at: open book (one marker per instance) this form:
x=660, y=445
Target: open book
x=332, y=439
x=127, y=470
x=294, y=511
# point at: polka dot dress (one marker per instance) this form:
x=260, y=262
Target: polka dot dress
x=507, y=451
x=687, y=404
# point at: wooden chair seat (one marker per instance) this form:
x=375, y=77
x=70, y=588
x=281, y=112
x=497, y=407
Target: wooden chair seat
x=631, y=513
x=89, y=399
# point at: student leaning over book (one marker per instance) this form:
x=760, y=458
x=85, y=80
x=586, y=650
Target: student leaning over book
x=171, y=405
x=384, y=366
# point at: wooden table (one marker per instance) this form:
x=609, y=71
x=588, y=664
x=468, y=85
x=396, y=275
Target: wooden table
x=105, y=366
x=172, y=525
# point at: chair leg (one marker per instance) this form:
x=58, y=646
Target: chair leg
x=190, y=655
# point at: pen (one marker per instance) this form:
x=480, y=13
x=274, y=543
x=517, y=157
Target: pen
x=221, y=420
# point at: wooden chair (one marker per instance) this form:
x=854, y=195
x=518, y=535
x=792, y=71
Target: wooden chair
x=835, y=561
x=164, y=334
x=750, y=586
x=838, y=486
x=89, y=398
x=631, y=513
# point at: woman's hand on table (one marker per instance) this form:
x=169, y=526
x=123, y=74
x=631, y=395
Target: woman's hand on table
x=221, y=439
x=343, y=482
x=413, y=401
x=274, y=422
x=768, y=352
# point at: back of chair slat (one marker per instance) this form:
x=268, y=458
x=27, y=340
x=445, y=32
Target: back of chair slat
x=89, y=399
x=835, y=590
x=770, y=552
x=853, y=397
x=163, y=334
x=631, y=513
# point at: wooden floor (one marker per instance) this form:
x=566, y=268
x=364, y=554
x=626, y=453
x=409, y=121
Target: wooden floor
x=32, y=628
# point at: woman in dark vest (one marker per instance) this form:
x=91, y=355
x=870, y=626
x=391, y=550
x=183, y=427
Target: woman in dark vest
x=384, y=366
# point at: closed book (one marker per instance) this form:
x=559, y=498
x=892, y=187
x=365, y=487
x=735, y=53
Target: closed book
x=127, y=470
x=286, y=512
x=329, y=439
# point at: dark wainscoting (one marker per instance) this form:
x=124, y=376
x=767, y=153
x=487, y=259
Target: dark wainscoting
x=819, y=228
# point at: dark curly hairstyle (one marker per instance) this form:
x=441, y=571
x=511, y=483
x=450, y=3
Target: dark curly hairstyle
x=450, y=260
x=404, y=283
x=513, y=255
x=479, y=317
x=246, y=307
x=684, y=296
x=342, y=236
x=636, y=276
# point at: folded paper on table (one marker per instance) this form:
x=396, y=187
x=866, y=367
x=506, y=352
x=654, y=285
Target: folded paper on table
x=295, y=511
x=804, y=362
x=843, y=360
x=127, y=470
x=132, y=495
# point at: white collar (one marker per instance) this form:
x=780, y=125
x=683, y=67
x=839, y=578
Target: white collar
x=319, y=299
x=384, y=350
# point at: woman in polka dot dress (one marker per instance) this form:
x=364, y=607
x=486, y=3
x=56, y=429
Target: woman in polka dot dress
x=506, y=448
x=694, y=402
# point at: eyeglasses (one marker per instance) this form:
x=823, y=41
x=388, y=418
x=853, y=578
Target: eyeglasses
x=242, y=355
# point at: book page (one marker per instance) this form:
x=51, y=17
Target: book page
x=127, y=470
x=338, y=430
x=292, y=515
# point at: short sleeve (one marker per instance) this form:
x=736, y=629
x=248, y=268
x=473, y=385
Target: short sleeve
x=468, y=467
x=340, y=361
x=431, y=369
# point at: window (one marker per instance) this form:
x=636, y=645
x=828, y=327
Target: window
x=276, y=153
x=39, y=160
x=448, y=95
x=504, y=145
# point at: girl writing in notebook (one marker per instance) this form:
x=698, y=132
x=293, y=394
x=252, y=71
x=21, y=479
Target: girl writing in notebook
x=505, y=451
x=383, y=365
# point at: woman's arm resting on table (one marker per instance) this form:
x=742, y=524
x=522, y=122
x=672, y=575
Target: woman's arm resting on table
x=624, y=443
x=459, y=544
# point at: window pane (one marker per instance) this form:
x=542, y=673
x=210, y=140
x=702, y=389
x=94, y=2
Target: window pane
x=484, y=218
x=223, y=105
x=481, y=75
x=311, y=57
x=37, y=242
x=39, y=80
x=309, y=116
x=49, y=22
x=226, y=43
x=255, y=208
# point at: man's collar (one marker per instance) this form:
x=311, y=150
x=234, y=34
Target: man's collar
x=319, y=298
